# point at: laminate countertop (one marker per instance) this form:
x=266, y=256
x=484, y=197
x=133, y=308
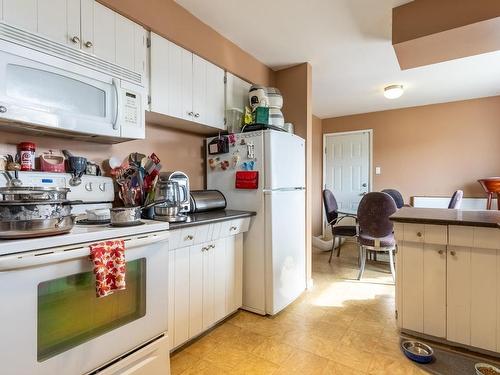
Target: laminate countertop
x=442, y=216
x=211, y=217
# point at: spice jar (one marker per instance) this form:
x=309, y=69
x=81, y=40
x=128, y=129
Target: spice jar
x=27, y=155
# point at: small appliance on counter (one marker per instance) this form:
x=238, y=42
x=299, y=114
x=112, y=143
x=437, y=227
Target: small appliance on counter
x=168, y=192
x=207, y=200
x=183, y=180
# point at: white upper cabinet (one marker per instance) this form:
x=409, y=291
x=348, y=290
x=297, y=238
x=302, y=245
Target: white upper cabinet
x=22, y=13
x=236, y=92
x=82, y=24
x=185, y=86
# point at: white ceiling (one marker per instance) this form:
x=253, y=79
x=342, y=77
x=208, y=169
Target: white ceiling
x=348, y=43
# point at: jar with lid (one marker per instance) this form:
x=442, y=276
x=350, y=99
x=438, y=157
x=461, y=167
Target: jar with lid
x=27, y=155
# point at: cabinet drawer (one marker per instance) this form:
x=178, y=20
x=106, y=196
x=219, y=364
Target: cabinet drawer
x=188, y=236
x=214, y=231
x=479, y=238
x=201, y=234
x=426, y=233
x=236, y=226
x=174, y=239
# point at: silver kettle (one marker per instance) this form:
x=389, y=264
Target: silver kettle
x=169, y=192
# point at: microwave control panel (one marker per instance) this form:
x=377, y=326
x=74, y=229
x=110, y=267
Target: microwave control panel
x=132, y=104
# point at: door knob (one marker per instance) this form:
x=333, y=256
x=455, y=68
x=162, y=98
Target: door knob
x=364, y=185
x=453, y=253
x=88, y=44
x=440, y=252
x=75, y=39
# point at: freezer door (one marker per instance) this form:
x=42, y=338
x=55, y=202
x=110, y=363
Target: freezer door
x=284, y=162
x=285, y=248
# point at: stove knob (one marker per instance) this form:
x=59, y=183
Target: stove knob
x=102, y=187
x=88, y=186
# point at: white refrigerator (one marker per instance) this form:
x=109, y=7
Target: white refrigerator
x=274, y=269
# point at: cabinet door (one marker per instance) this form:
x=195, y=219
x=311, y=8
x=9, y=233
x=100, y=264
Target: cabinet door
x=434, y=288
x=98, y=30
x=214, y=107
x=458, y=292
x=208, y=288
x=236, y=92
x=220, y=275
x=60, y=21
x=181, y=296
x=125, y=42
x=171, y=79
x=1, y=10
x=234, y=277
x=171, y=299
x=200, y=89
x=196, y=289
x=22, y=13
x=412, y=283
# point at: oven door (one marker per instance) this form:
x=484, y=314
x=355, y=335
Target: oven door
x=53, y=93
x=51, y=321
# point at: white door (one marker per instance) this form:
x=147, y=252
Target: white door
x=215, y=97
x=200, y=89
x=196, y=289
x=347, y=167
x=285, y=248
x=284, y=155
x=60, y=21
x=22, y=13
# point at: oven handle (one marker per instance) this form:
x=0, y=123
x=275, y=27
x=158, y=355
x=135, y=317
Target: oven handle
x=61, y=254
x=116, y=84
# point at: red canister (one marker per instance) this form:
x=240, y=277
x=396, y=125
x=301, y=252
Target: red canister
x=27, y=154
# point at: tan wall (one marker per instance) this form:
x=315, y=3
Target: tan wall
x=295, y=84
x=170, y=20
x=432, y=150
x=179, y=151
x=317, y=176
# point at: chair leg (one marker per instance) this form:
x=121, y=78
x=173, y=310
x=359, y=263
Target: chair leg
x=391, y=262
x=333, y=248
x=360, y=254
x=363, y=263
x=340, y=246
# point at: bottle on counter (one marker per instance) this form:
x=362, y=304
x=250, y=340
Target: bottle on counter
x=27, y=155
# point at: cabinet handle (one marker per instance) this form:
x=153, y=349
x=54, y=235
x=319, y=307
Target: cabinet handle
x=419, y=234
x=204, y=248
x=453, y=253
x=212, y=246
x=189, y=238
x=88, y=44
x=440, y=252
x=196, y=115
x=75, y=39
x=233, y=228
x=3, y=109
x=191, y=113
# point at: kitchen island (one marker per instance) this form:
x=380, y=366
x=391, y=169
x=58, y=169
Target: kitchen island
x=448, y=276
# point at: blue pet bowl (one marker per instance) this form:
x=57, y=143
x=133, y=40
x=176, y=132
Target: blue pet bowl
x=417, y=351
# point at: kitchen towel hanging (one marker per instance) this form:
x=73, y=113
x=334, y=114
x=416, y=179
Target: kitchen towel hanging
x=108, y=258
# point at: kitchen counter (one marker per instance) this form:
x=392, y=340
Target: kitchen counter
x=440, y=216
x=211, y=217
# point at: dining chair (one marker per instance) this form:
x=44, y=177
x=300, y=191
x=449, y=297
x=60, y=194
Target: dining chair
x=376, y=230
x=456, y=200
x=333, y=217
x=397, y=196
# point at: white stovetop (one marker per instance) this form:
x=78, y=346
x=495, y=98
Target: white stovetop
x=80, y=234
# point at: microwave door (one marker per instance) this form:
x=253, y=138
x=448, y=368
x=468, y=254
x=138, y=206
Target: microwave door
x=54, y=93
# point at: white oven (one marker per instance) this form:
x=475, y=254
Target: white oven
x=49, y=87
x=52, y=323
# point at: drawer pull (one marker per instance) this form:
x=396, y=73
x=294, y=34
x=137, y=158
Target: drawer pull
x=233, y=228
x=189, y=238
x=212, y=246
x=453, y=253
x=440, y=252
x=419, y=234
x=204, y=248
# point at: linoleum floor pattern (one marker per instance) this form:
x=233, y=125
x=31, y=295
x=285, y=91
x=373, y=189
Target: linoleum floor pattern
x=340, y=326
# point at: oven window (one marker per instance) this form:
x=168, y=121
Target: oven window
x=54, y=91
x=69, y=313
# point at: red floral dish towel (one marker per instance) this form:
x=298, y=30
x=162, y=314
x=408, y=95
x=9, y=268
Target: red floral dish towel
x=108, y=258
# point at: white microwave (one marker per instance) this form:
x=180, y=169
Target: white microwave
x=49, y=88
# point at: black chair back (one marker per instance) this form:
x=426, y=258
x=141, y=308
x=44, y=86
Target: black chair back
x=396, y=195
x=331, y=206
x=373, y=214
x=456, y=200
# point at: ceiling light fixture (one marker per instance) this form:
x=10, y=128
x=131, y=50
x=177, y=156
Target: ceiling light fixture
x=393, y=91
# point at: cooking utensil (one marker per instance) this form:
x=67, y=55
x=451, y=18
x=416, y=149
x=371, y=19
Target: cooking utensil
x=12, y=181
x=33, y=210
x=417, y=351
x=101, y=214
x=125, y=215
x=15, y=229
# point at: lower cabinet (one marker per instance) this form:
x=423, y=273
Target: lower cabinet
x=448, y=283
x=205, y=286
